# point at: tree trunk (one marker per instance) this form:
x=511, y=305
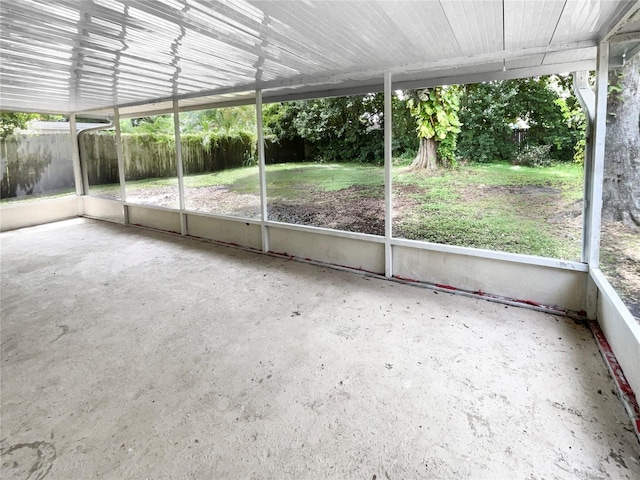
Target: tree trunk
x=621, y=188
x=427, y=157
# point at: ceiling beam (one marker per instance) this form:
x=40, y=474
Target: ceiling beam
x=625, y=37
x=618, y=23
x=375, y=86
x=448, y=63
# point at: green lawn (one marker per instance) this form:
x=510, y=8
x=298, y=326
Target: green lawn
x=288, y=180
x=498, y=206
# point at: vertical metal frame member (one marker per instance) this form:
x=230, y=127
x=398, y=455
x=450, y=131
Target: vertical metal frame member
x=587, y=100
x=594, y=208
x=75, y=156
x=121, y=166
x=262, y=174
x=388, y=197
x=179, y=168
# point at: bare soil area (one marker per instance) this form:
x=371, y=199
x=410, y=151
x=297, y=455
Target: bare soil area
x=353, y=209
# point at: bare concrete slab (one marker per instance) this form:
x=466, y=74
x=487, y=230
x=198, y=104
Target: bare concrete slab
x=135, y=354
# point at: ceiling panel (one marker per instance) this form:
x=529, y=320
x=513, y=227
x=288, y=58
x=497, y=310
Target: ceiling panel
x=587, y=18
x=531, y=24
x=68, y=55
x=477, y=25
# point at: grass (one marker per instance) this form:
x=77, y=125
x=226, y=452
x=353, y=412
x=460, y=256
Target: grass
x=39, y=196
x=495, y=206
x=289, y=180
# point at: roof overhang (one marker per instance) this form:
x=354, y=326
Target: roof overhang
x=69, y=56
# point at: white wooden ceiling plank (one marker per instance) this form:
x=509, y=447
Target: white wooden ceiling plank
x=584, y=19
x=322, y=38
x=346, y=41
x=377, y=28
x=531, y=24
x=425, y=27
x=477, y=25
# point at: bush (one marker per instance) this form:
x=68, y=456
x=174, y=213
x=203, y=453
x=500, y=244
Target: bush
x=533, y=156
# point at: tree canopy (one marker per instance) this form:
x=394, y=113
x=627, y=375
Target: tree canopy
x=544, y=106
x=11, y=121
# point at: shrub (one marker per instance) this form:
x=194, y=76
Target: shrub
x=533, y=156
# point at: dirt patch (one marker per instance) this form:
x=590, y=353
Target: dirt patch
x=353, y=209
x=220, y=200
x=529, y=190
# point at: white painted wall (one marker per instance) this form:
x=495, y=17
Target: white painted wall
x=162, y=219
x=351, y=252
x=32, y=213
x=223, y=230
x=103, y=209
x=560, y=287
x=620, y=328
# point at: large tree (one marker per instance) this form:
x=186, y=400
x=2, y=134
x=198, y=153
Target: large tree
x=621, y=188
x=436, y=113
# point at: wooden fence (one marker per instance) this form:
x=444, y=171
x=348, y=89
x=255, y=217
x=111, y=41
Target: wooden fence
x=35, y=164
x=39, y=163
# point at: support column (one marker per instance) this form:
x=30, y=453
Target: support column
x=587, y=100
x=595, y=188
x=388, y=198
x=594, y=173
x=121, y=166
x=178, y=143
x=75, y=155
x=262, y=173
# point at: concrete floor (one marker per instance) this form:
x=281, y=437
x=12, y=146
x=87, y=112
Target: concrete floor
x=134, y=354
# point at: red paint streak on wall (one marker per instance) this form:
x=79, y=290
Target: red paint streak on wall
x=629, y=397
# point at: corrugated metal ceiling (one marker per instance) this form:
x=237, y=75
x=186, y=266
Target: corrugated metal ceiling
x=66, y=56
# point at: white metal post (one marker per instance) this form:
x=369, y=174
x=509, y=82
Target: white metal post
x=178, y=142
x=388, y=199
x=75, y=155
x=600, y=125
x=121, y=166
x=262, y=174
x=587, y=100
